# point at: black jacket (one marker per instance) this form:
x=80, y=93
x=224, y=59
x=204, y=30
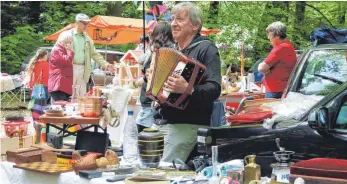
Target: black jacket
x=145, y=101
x=200, y=106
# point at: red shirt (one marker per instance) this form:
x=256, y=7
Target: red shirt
x=40, y=66
x=281, y=60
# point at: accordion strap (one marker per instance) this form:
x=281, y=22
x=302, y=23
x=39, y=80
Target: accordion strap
x=190, y=85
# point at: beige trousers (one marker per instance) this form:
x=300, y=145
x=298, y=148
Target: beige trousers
x=78, y=73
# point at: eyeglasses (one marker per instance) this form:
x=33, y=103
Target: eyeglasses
x=84, y=23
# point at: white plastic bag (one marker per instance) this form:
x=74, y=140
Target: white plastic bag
x=292, y=107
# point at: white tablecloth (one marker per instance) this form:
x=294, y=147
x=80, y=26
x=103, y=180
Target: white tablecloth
x=6, y=83
x=11, y=175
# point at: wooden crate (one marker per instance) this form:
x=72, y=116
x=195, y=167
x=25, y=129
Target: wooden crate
x=24, y=155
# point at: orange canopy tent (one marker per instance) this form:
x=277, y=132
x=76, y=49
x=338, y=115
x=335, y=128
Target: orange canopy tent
x=128, y=30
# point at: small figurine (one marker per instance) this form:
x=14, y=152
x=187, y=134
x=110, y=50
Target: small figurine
x=110, y=158
x=87, y=162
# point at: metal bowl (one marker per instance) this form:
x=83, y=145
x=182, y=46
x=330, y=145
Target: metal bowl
x=283, y=156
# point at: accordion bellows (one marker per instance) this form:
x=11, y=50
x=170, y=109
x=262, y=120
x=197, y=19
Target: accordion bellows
x=166, y=62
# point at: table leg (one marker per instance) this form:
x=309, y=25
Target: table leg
x=47, y=130
x=64, y=128
x=96, y=128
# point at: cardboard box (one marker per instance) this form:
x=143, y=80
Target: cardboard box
x=146, y=180
x=12, y=144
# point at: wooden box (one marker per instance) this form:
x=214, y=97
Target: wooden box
x=24, y=155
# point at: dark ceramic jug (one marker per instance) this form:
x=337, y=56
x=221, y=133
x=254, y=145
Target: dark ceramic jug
x=151, y=147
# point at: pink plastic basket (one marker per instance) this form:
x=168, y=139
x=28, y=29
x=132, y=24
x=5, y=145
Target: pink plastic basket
x=15, y=125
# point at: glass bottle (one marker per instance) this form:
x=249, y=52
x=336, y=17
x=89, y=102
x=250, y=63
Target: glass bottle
x=75, y=93
x=215, y=178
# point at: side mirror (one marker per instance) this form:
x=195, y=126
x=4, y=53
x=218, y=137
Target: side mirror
x=318, y=119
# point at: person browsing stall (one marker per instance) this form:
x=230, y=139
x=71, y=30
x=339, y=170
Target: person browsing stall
x=280, y=62
x=37, y=71
x=160, y=37
x=84, y=50
x=60, y=66
x=180, y=126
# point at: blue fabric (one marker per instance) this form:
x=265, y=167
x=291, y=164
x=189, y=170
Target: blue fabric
x=146, y=116
x=258, y=77
x=39, y=91
x=39, y=99
x=273, y=95
x=218, y=114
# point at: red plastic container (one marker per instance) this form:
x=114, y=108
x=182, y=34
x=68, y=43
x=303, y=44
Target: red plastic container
x=10, y=126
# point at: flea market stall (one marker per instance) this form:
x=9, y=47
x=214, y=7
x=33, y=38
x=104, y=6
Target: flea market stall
x=94, y=138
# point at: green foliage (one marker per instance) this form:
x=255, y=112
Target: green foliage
x=130, y=10
x=58, y=14
x=240, y=21
x=15, y=48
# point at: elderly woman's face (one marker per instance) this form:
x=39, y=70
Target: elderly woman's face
x=275, y=40
x=66, y=41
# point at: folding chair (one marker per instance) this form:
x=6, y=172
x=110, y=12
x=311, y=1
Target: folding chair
x=11, y=90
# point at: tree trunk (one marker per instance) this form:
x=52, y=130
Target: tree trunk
x=114, y=9
x=213, y=13
x=284, y=5
x=341, y=19
x=298, y=22
x=34, y=16
x=262, y=45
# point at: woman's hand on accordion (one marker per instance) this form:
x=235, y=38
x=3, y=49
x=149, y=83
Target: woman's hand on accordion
x=175, y=84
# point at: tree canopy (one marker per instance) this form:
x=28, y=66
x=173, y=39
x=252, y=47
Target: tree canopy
x=25, y=23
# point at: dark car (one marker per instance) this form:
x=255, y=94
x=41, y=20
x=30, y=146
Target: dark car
x=320, y=71
x=320, y=132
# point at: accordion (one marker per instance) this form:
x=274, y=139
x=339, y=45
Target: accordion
x=166, y=62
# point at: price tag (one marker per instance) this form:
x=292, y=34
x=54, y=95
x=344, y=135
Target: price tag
x=201, y=139
x=282, y=174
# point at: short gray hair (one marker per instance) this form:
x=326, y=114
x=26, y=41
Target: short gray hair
x=63, y=36
x=277, y=29
x=193, y=11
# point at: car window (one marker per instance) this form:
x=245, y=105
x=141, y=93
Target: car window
x=110, y=58
x=341, y=121
x=324, y=72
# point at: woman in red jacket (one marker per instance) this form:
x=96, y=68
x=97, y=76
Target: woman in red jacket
x=61, y=70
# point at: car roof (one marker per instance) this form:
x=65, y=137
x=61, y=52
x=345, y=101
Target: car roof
x=110, y=51
x=330, y=46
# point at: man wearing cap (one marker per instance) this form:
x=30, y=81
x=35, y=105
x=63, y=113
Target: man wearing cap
x=84, y=50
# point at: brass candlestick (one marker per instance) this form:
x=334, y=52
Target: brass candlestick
x=20, y=135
